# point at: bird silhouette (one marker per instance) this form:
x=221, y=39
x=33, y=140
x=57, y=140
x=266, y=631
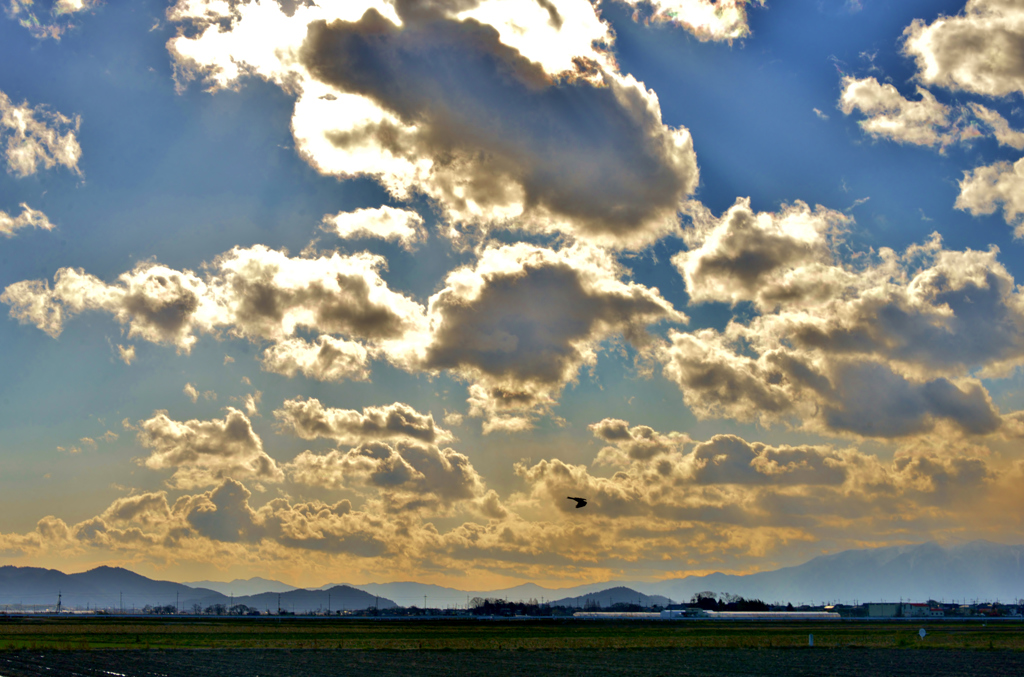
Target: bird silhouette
x=580, y=502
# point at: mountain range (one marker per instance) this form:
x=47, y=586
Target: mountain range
x=977, y=570
x=116, y=588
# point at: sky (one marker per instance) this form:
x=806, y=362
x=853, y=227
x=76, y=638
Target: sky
x=361, y=291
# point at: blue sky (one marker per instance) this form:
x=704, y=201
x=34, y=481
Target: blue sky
x=571, y=298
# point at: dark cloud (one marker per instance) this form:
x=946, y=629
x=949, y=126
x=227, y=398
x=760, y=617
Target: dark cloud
x=499, y=130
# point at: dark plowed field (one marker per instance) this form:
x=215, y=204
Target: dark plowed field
x=564, y=663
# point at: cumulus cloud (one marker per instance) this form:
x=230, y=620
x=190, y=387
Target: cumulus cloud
x=748, y=256
x=203, y=453
x=677, y=499
x=891, y=116
x=721, y=20
x=9, y=225
x=727, y=482
x=387, y=223
x=149, y=508
x=37, y=137
x=979, y=51
x=889, y=347
x=985, y=188
x=521, y=322
x=256, y=293
x=412, y=475
x=326, y=359
x=465, y=104
x=638, y=443
x=158, y=304
x=191, y=392
x=224, y=514
x=309, y=419
x=263, y=293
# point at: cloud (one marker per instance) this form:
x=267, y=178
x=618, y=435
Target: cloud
x=412, y=475
x=326, y=359
x=256, y=293
x=203, y=453
x=1005, y=135
x=224, y=515
x=748, y=256
x=724, y=20
x=979, y=51
x=262, y=293
x=467, y=112
x=191, y=392
x=890, y=347
x=37, y=137
x=639, y=443
x=891, y=116
x=387, y=223
x=521, y=322
x=251, y=402
x=126, y=354
x=24, y=12
x=158, y=304
x=984, y=189
x=728, y=482
x=149, y=508
x=9, y=225
x=309, y=420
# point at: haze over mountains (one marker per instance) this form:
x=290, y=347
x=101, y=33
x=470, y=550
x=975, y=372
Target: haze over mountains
x=977, y=570
x=250, y=586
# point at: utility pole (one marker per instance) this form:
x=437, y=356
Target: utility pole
x=328, y=604
x=175, y=602
x=424, y=602
x=120, y=601
x=278, y=604
x=58, y=602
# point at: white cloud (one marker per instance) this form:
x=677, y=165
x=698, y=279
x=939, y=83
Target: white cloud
x=984, y=189
x=1005, y=135
x=29, y=217
x=326, y=359
x=252, y=403
x=191, y=392
x=387, y=223
x=25, y=13
x=722, y=20
x=37, y=137
x=256, y=293
x=891, y=116
x=979, y=51
x=126, y=353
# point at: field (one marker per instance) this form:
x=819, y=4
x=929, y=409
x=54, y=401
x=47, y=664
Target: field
x=567, y=663
x=230, y=647
x=168, y=633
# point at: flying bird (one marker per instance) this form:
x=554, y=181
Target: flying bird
x=580, y=502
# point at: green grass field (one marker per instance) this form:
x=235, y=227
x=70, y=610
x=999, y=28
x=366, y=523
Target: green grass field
x=95, y=633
